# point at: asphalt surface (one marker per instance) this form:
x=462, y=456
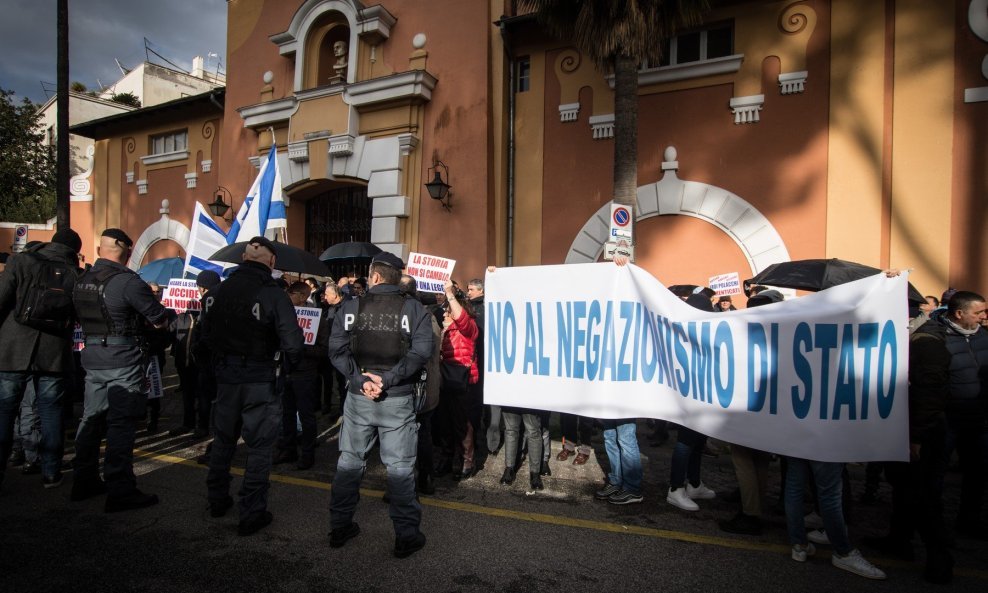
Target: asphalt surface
x=482, y=536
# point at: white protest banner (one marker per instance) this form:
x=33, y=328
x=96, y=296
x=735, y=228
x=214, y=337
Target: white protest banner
x=157, y=388
x=181, y=296
x=308, y=320
x=725, y=284
x=430, y=272
x=821, y=377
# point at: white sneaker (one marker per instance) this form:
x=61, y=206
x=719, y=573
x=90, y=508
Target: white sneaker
x=678, y=498
x=813, y=521
x=818, y=537
x=701, y=492
x=855, y=562
x=801, y=553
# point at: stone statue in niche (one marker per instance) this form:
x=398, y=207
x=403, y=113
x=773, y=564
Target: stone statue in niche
x=339, y=68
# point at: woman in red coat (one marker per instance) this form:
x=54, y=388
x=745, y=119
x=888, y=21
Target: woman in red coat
x=459, y=339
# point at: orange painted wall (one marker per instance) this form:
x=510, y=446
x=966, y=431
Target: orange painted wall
x=455, y=127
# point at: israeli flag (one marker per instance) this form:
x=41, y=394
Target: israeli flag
x=263, y=212
x=205, y=239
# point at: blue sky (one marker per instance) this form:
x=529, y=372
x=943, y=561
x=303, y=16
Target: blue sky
x=99, y=31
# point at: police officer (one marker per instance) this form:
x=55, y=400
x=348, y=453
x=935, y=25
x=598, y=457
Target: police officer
x=250, y=326
x=112, y=304
x=380, y=342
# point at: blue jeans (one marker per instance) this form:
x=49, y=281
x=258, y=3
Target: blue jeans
x=829, y=487
x=392, y=420
x=621, y=444
x=686, y=457
x=49, y=389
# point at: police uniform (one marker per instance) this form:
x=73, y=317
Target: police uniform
x=389, y=335
x=112, y=303
x=250, y=326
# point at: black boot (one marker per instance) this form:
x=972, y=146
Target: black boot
x=535, y=480
x=545, y=471
x=508, y=477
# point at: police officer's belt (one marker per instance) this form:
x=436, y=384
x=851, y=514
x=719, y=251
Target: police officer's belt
x=111, y=341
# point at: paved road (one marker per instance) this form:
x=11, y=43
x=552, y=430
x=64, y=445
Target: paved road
x=482, y=536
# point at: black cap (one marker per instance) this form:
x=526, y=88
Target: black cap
x=765, y=297
x=263, y=242
x=389, y=259
x=700, y=301
x=207, y=279
x=69, y=238
x=118, y=235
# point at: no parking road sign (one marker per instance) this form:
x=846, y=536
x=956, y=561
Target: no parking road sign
x=620, y=222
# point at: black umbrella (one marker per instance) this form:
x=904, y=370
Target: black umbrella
x=287, y=258
x=350, y=251
x=818, y=274
x=682, y=290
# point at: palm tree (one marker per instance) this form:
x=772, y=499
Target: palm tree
x=618, y=35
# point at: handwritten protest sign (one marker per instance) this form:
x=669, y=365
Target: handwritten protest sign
x=308, y=320
x=181, y=296
x=726, y=284
x=430, y=272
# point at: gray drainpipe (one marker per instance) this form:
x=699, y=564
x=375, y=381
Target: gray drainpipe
x=511, y=143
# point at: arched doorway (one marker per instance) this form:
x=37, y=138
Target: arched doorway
x=753, y=234
x=337, y=214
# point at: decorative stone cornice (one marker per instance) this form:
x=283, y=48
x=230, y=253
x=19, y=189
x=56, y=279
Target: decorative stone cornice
x=374, y=24
x=711, y=67
x=255, y=161
x=142, y=186
x=154, y=159
x=298, y=151
x=414, y=86
x=747, y=109
x=207, y=165
x=191, y=179
x=129, y=176
x=341, y=145
x=266, y=114
x=792, y=82
x=602, y=126
x=569, y=112
x=407, y=143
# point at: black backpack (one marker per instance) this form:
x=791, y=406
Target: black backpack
x=47, y=303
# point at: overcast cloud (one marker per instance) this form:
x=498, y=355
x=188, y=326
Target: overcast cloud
x=99, y=31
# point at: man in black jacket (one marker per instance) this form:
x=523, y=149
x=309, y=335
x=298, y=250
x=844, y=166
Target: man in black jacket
x=250, y=327
x=32, y=355
x=115, y=308
x=948, y=387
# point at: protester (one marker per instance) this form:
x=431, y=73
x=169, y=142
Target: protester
x=41, y=357
x=196, y=401
x=459, y=372
x=301, y=395
x=624, y=480
x=427, y=397
x=751, y=465
x=685, y=485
